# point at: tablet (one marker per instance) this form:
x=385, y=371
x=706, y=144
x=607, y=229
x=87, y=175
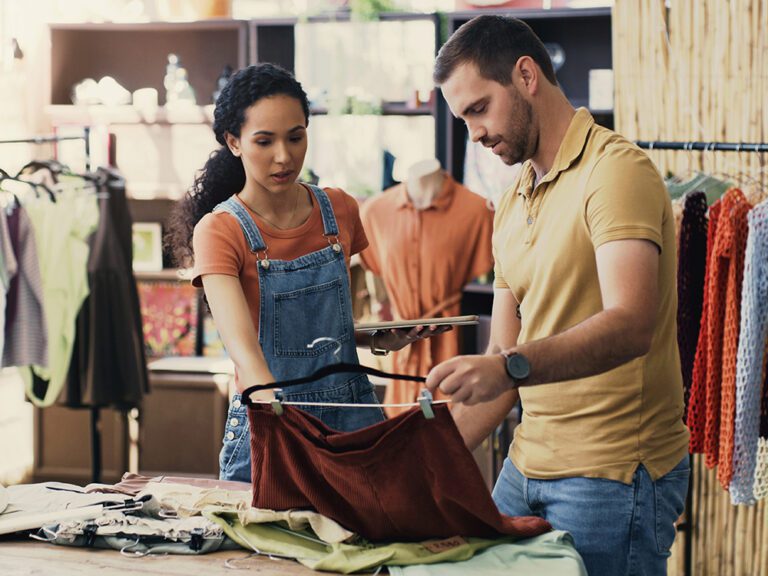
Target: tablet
x=445, y=321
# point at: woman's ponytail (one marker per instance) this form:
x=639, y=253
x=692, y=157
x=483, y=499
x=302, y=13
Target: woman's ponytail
x=221, y=177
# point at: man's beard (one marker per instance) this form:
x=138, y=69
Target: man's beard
x=518, y=135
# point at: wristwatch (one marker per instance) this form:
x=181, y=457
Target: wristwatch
x=517, y=366
x=377, y=351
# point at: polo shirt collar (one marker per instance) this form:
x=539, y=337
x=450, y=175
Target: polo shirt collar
x=441, y=202
x=570, y=149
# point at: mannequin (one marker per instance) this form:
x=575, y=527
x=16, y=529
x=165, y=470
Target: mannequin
x=424, y=182
x=422, y=268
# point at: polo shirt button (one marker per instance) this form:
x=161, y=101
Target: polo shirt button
x=234, y=422
x=236, y=404
x=530, y=220
x=230, y=435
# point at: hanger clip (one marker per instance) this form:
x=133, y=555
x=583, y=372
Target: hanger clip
x=277, y=405
x=425, y=401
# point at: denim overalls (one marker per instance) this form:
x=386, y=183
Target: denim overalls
x=301, y=300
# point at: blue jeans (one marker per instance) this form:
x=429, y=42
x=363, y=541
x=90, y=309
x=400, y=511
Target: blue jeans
x=619, y=529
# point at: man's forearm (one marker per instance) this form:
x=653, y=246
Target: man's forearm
x=600, y=343
x=476, y=422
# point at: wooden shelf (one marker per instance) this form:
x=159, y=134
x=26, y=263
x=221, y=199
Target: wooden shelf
x=129, y=114
x=387, y=109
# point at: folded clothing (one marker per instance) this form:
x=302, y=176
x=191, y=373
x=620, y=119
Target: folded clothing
x=132, y=483
x=550, y=554
x=404, y=479
x=305, y=547
x=3, y=498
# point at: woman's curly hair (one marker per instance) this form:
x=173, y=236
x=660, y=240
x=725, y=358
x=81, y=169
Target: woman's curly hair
x=223, y=173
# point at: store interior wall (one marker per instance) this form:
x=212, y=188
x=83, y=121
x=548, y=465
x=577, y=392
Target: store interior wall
x=698, y=71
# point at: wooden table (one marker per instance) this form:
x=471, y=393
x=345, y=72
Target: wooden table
x=27, y=557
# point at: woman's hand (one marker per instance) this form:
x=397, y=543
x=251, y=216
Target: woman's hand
x=398, y=338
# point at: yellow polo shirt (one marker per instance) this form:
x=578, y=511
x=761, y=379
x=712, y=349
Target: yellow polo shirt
x=601, y=188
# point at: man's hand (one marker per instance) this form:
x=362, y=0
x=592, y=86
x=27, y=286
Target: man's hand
x=471, y=379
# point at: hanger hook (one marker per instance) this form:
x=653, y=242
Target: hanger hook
x=709, y=147
x=337, y=350
x=689, y=160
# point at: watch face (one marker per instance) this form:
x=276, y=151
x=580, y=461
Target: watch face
x=518, y=367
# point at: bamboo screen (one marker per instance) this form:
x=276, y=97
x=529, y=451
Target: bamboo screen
x=694, y=70
x=697, y=70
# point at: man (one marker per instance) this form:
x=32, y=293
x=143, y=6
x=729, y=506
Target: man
x=583, y=323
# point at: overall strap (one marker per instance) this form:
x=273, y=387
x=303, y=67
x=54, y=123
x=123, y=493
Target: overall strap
x=251, y=231
x=330, y=228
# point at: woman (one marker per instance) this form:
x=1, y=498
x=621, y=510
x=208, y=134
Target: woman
x=272, y=255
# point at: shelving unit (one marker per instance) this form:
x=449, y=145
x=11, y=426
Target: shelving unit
x=79, y=51
x=136, y=54
x=274, y=40
x=159, y=150
x=585, y=36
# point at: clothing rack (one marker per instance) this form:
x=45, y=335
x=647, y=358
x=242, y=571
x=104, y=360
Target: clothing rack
x=54, y=138
x=703, y=146
x=759, y=147
x=95, y=411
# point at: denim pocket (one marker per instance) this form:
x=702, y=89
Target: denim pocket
x=301, y=316
x=669, y=494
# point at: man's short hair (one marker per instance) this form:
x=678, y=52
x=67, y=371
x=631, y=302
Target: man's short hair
x=494, y=44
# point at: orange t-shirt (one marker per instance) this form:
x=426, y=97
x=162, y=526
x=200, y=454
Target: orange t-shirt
x=425, y=257
x=220, y=246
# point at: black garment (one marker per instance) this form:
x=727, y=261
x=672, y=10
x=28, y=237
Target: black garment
x=691, y=266
x=109, y=366
x=12, y=295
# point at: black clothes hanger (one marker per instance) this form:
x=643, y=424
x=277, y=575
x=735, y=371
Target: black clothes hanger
x=327, y=371
x=36, y=186
x=53, y=167
x=424, y=401
x=56, y=169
